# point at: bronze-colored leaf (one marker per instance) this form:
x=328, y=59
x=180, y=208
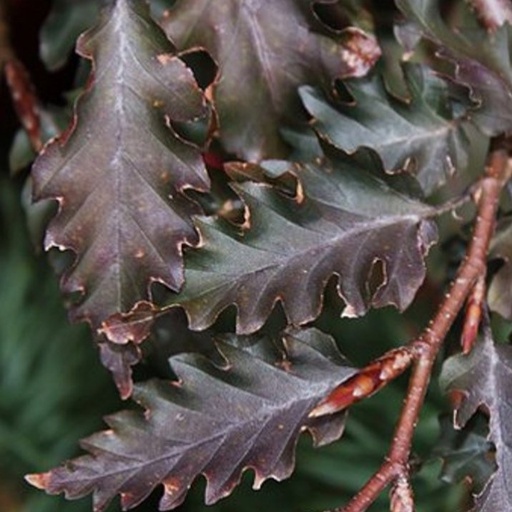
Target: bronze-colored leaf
x=264, y=51
x=217, y=422
x=119, y=172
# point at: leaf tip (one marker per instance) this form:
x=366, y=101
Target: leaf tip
x=38, y=480
x=323, y=409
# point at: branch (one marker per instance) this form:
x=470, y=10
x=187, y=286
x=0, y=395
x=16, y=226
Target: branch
x=425, y=348
x=24, y=97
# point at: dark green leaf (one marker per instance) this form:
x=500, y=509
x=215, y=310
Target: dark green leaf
x=119, y=172
x=466, y=452
x=216, y=422
x=483, y=380
x=422, y=135
x=346, y=222
x=264, y=51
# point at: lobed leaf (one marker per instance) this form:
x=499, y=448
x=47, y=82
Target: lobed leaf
x=119, y=172
x=66, y=20
x=482, y=61
x=423, y=135
x=483, y=380
x=264, y=51
x=216, y=422
x=466, y=452
x=346, y=223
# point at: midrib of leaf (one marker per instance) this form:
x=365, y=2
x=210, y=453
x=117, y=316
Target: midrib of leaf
x=262, y=52
x=120, y=107
x=417, y=135
x=361, y=228
x=224, y=435
x=121, y=162
x=418, y=131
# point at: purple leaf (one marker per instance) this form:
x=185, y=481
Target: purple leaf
x=217, y=422
x=264, y=51
x=119, y=172
x=483, y=380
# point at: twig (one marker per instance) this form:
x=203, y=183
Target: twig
x=426, y=347
x=25, y=101
x=24, y=97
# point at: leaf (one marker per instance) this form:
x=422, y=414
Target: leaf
x=169, y=335
x=119, y=172
x=466, y=452
x=500, y=289
x=348, y=221
x=66, y=21
x=264, y=51
x=482, y=379
x=119, y=359
x=482, y=61
x=423, y=135
x=217, y=422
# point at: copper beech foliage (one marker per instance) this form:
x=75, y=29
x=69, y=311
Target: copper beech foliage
x=224, y=162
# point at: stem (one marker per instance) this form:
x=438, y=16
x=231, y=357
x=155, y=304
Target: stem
x=427, y=346
x=24, y=97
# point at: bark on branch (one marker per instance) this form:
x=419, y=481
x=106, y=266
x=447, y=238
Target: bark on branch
x=424, y=349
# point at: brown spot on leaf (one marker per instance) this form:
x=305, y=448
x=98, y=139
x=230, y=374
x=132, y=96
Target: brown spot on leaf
x=172, y=485
x=164, y=58
x=134, y=326
x=361, y=52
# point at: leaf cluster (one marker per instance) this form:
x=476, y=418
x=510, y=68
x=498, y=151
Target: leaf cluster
x=234, y=177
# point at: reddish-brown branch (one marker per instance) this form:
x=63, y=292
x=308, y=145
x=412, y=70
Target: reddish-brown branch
x=427, y=346
x=401, y=496
x=24, y=97
x=26, y=103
